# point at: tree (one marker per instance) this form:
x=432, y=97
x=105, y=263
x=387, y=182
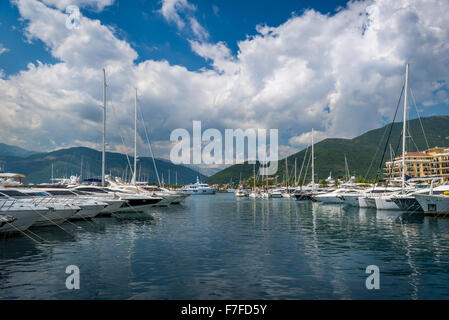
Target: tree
x=323, y=183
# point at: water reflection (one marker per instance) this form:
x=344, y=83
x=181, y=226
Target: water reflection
x=220, y=247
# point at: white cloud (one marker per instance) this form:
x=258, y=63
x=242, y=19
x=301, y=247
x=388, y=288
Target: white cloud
x=181, y=13
x=171, y=11
x=3, y=49
x=314, y=71
x=95, y=4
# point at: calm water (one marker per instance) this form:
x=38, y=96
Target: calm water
x=217, y=247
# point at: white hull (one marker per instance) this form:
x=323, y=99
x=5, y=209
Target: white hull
x=385, y=203
x=55, y=216
x=365, y=202
x=113, y=205
x=433, y=204
x=88, y=211
x=24, y=219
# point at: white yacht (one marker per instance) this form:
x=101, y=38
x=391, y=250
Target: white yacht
x=58, y=211
x=239, y=193
x=371, y=198
x=335, y=196
x=276, y=193
x=435, y=200
x=131, y=201
x=16, y=216
x=198, y=188
x=434, y=203
x=88, y=208
x=170, y=196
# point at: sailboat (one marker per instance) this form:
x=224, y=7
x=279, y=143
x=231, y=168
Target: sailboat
x=309, y=191
x=136, y=200
x=385, y=202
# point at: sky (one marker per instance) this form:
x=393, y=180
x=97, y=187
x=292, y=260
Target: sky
x=334, y=66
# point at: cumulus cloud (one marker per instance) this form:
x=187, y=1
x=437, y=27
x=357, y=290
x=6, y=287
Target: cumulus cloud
x=340, y=74
x=95, y=4
x=182, y=14
x=3, y=49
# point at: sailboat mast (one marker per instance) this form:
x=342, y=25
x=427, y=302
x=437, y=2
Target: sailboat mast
x=133, y=181
x=254, y=177
x=404, y=127
x=296, y=183
x=103, y=157
x=313, y=165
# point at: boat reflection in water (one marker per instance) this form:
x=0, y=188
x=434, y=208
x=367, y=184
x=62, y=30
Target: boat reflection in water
x=217, y=247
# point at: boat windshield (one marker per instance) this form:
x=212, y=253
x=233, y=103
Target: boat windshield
x=13, y=193
x=61, y=193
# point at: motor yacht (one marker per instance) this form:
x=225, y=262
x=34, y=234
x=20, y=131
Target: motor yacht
x=132, y=202
x=16, y=216
x=89, y=209
x=335, y=196
x=198, y=189
x=58, y=212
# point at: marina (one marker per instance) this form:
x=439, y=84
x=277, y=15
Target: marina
x=191, y=150
x=217, y=247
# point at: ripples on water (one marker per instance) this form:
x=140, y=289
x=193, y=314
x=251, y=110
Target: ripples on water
x=220, y=247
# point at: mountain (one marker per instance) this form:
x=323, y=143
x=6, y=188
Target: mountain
x=67, y=162
x=204, y=170
x=13, y=151
x=361, y=152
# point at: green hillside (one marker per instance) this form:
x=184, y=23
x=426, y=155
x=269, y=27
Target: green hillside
x=360, y=151
x=67, y=162
x=13, y=151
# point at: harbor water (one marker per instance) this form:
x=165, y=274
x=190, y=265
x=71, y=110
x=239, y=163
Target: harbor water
x=220, y=247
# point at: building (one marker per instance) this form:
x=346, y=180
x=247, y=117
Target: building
x=427, y=165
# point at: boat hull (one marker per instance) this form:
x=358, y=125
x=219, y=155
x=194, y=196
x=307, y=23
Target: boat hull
x=88, y=211
x=409, y=204
x=434, y=204
x=55, y=216
x=365, y=202
x=385, y=203
x=138, y=205
x=23, y=219
x=351, y=200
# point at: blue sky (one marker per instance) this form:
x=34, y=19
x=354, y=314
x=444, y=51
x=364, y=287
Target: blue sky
x=140, y=23
x=334, y=66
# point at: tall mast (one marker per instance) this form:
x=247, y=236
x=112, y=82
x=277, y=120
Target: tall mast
x=133, y=180
x=313, y=165
x=295, y=174
x=404, y=128
x=286, y=173
x=103, y=158
x=254, y=177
